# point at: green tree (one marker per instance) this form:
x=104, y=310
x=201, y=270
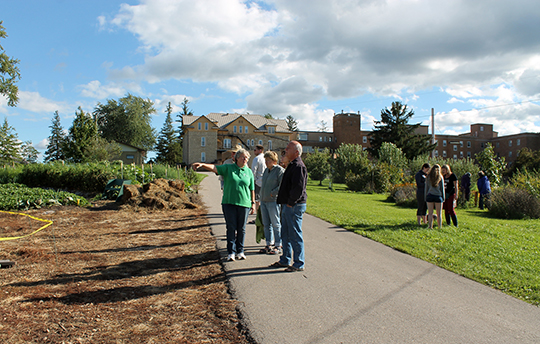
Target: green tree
x=268, y=116
x=392, y=155
x=349, y=158
x=57, y=141
x=81, y=135
x=169, y=148
x=317, y=164
x=28, y=152
x=492, y=165
x=9, y=144
x=9, y=73
x=292, y=124
x=128, y=121
x=527, y=160
x=393, y=127
x=99, y=149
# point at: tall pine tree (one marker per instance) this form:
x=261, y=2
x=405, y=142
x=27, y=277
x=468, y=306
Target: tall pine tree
x=81, y=135
x=57, y=141
x=9, y=144
x=169, y=149
x=394, y=128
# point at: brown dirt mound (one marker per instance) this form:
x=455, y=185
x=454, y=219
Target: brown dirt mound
x=160, y=194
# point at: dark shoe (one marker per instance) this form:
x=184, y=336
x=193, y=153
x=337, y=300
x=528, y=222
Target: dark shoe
x=278, y=265
x=265, y=250
x=293, y=269
x=252, y=222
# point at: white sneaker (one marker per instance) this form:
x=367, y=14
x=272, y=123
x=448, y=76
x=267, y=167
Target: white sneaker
x=230, y=257
x=241, y=255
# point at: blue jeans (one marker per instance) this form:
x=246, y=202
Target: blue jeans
x=272, y=225
x=235, y=221
x=291, y=235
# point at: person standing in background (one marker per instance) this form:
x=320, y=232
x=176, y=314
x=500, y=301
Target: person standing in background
x=434, y=193
x=484, y=188
x=257, y=167
x=466, y=186
x=451, y=193
x=420, y=178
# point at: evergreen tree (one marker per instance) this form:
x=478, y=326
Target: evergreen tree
x=128, y=121
x=57, y=141
x=168, y=144
x=100, y=149
x=81, y=134
x=292, y=124
x=393, y=127
x=9, y=144
x=28, y=152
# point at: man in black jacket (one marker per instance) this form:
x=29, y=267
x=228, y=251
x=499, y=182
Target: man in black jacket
x=292, y=196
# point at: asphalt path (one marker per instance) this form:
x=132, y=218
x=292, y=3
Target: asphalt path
x=355, y=290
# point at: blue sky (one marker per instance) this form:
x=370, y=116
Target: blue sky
x=472, y=61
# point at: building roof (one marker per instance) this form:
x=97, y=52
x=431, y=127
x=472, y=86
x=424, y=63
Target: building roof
x=222, y=120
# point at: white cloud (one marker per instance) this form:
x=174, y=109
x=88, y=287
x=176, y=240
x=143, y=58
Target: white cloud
x=94, y=89
x=287, y=56
x=34, y=102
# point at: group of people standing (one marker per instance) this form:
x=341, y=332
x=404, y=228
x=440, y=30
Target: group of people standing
x=437, y=188
x=277, y=192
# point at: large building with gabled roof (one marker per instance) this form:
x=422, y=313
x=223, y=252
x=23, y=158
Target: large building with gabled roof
x=207, y=137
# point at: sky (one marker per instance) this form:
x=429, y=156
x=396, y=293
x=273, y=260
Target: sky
x=472, y=61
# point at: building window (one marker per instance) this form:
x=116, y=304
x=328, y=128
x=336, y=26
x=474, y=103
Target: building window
x=325, y=138
x=455, y=148
x=436, y=153
x=205, y=126
x=330, y=139
x=252, y=143
x=245, y=131
x=468, y=154
x=200, y=127
x=444, y=143
x=455, y=156
x=203, y=157
x=444, y=153
x=241, y=128
x=203, y=141
x=482, y=145
x=497, y=144
x=510, y=143
x=510, y=154
x=260, y=142
x=269, y=145
x=461, y=155
x=518, y=142
x=130, y=157
x=461, y=143
x=482, y=128
x=271, y=130
x=234, y=129
x=320, y=138
x=468, y=144
x=227, y=143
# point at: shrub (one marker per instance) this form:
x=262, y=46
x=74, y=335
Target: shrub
x=404, y=195
x=317, y=165
x=513, y=203
x=349, y=158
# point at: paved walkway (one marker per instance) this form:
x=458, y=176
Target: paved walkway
x=355, y=290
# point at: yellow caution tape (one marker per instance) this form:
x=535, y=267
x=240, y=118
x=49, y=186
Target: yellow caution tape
x=49, y=222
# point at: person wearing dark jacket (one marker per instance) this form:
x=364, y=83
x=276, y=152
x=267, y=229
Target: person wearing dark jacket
x=484, y=188
x=420, y=178
x=292, y=196
x=465, y=185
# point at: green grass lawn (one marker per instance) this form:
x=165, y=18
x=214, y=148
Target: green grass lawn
x=503, y=254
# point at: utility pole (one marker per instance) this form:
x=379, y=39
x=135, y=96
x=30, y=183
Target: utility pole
x=433, y=130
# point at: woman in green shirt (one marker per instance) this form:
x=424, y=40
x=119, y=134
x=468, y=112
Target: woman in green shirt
x=238, y=199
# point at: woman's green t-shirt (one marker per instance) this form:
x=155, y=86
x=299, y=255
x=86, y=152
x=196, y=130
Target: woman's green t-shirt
x=237, y=184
